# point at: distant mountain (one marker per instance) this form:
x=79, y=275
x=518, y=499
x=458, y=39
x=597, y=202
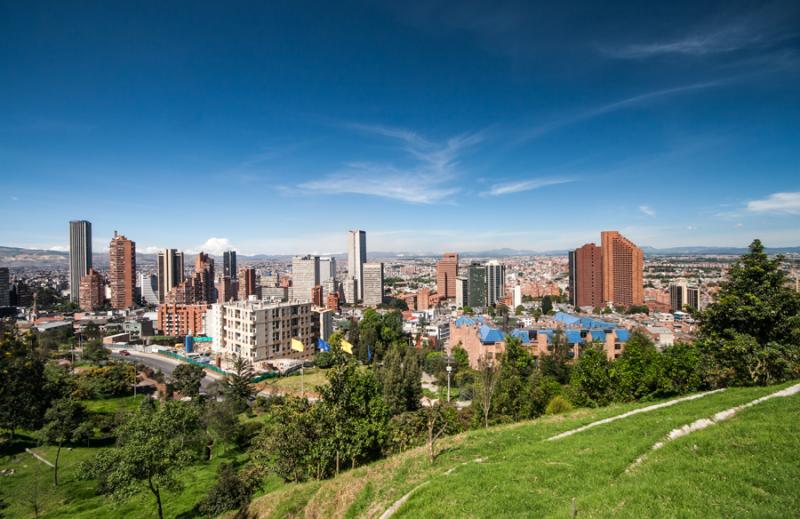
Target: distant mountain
x=19, y=257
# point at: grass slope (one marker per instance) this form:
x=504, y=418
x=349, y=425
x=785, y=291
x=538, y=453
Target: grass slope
x=744, y=467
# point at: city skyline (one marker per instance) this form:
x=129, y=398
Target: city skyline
x=441, y=132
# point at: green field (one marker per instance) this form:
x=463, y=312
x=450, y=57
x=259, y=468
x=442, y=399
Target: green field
x=312, y=378
x=746, y=467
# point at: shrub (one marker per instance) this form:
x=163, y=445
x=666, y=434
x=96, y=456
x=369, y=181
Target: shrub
x=558, y=404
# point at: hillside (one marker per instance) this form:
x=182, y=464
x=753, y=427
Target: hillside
x=746, y=466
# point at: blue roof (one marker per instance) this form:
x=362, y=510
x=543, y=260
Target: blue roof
x=574, y=336
x=490, y=335
x=583, y=322
x=468, y=321
x=622, y=334
x=523, y=335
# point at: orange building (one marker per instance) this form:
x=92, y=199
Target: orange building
x=204, y=278
x=446, y=273
x=589, y=276
x=122, y=271
x=316, y=295
x=333, y=302
x=623, y=267
x=179, y=320
x=91, y=292
x=247, y=282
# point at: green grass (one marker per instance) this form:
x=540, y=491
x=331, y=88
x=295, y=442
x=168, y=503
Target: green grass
x=312, y=378
x=746, y=467
x=113, y=405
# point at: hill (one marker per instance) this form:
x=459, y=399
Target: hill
x=746, y=466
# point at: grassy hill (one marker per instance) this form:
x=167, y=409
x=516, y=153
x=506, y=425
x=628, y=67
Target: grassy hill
x=745, y=467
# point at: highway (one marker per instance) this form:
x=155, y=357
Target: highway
x=165, y=364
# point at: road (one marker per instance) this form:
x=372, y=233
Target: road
x=165, y=364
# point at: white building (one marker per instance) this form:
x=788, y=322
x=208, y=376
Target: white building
x=261, y=331
x=148, y=288
x=350, y=290
x=517, y=297
x=327, y=269
x=356, y=257
x=462, y=293
x=305, y=276
x=325, y=323
x=373, y=284
x=495, y=281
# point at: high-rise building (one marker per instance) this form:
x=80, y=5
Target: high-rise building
x=681, y=296
x=122, y=271
x=229, y=264
x=5, y=294
x=373, y=284
x=693, y=298
x=204, y=279
x=92, y=292
x=184, y=293
x=181, y=319
x=327, y=269
x=516, y=299
x=495, y=282
x=170, y=271
x=462, y=292
x=356, y=257
x=477, y=286
x=622, y=266
x=247, y=283
x=316, y=295
x=586, y=276
x=446, y=274
x=148, y=289
x=225, y=291
x=325, y=323
x=80, y=255
x=332, y=301
x=350, y=290
x=305, y=276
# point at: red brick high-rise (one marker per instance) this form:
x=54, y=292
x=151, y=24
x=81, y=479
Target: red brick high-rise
x=247, y=283
x=316, y=295
x=446, y=273
x=204, y=278
x=623, y=270
x=92, y=292
x=589, y=276
x=122, y=271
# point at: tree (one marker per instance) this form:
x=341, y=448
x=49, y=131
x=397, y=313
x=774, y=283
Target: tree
x=65, y=422
x=237, y=386
x=519, y=310
x=487, y=381
x=467, y=310
x=149, y=453
x=436, y=424
x=511, y=396
x=187, y=378
x=221, y=421
x=751, y=334
x=590, y=383
x=231, y=491
x=401, y=377
x=94, y=352
x=23, y=395
x=637, y=372
x=547, y=305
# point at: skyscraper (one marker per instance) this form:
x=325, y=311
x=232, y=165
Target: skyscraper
x=462, y=292
x=446, y=273
x=623, y=266
x=92, y=291
x=204, y=278
x=476, y=286
x=247, y=283
x=170, y=271
x=4, y=287
x=148, y=289
x=495, y=282
x=681, y=295
x=122, y=271
x=80, y=255
x=229, y=264
x=373, y=284
x=327, y=269
x=305, y=276
x=586, y=276
x=356, y=257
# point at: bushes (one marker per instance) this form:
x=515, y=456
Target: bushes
x=590, y=383
x=231, y=492
x=558, y=404
x=115, y=379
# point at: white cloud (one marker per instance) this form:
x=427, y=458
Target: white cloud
x=649, y=211
x=691, y=227
x=150, y=249
x=58, y=248
x=214, y=246
x=788, y=203
x=519, y=186
x=425, y=182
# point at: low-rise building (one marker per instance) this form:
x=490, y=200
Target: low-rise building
x=180, y=320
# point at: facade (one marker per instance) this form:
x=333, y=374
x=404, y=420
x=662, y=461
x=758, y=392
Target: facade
x=325, y=326
x=462, y=292
x=305, y=276
x=316, y=296
x=92, y=292
x=477, y=284
x=247, y=283
x=181, y=294
x=332, y=302
x=261, y=331
x=495, y=282
x=516, y=299
x=350, y=290
x=5, y=294
x=327, y=269
x=181, y=319
x=587, y=276
x=268, y=293
x=80, y=255
x=229, y=264
x=622, y=266
x=681, y=295
x=225, y=291
x=373, y=284
x=148, y=289
x=122, y=272
x=356, y=257
x=170, y=271
x=204, y=279
x=446, y=274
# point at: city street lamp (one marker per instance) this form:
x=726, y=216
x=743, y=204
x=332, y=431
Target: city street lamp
x=449, y=370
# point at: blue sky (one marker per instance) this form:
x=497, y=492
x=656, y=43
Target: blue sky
x=439, y=126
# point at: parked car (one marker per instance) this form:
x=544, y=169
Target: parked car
x=124, y=353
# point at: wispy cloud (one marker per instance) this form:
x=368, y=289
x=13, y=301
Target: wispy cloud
x=637, y=100
x=787, y=203
x=519, y=186
x=426, y=181
x=215, y=246
x=649, y=211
